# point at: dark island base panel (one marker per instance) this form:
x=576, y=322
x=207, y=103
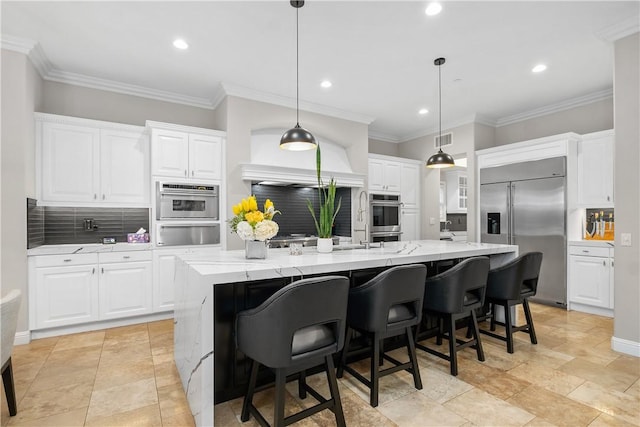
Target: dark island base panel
x=232, y=367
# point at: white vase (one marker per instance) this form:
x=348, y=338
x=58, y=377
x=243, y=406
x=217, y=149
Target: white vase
x=325, y=245
x=255, y=249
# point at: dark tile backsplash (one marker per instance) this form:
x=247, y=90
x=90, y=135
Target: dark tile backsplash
x=295, y=217
x=458, y=222
x=60, y=225
x=35, y=224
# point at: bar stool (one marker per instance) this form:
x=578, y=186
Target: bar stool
x=388, y=305
x=300, y=326
x=452, y=295
x=509, y=285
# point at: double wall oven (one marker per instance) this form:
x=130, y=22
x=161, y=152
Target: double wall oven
x=185, y=213
x=385, y=218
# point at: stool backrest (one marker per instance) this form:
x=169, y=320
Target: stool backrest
x=532, y=261
x=9, y=306
x=266, y=332
x=446, y=291
x=518, y=276
x=369, y=303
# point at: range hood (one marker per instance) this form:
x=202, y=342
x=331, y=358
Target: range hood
x=271, y=165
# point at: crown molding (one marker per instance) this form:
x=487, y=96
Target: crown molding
x=384, y=137
x=557, y=107
x=232, y=89
x=446, y=127
x=619, y=30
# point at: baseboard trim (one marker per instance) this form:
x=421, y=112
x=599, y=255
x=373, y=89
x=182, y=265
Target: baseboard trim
x=95, y=326
x=22, y=338
x=606, y=312
x=621, y=345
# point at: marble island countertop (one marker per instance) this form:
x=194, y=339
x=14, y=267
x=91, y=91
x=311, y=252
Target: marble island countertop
x=231, y=266
x=87, y=248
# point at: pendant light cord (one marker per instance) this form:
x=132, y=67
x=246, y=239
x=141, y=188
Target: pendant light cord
x=297, y=74
x=440, y=107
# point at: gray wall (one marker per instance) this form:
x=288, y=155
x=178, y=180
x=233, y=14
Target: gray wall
x=384, y=148
x=21, y=88
x=627, y=190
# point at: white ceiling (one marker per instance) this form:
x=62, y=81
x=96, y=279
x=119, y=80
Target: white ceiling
x=378, y=54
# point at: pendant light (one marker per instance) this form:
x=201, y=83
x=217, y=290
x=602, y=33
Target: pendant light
x=440, y=159
x=297, y=138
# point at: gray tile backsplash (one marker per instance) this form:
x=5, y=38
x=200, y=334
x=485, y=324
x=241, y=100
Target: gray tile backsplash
x=458, y=222
x=62, y=225
x=35, y=224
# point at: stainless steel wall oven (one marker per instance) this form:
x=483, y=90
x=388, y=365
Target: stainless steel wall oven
x=187, y=201
x=385, y=223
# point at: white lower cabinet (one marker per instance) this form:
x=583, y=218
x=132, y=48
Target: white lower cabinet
x=81, y=288
x=125, y=284
x=410, y=223
x=591, y=279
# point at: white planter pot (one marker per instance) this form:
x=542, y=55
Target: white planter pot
x=325, y=245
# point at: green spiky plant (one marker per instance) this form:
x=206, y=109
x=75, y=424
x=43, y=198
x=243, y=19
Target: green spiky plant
x=326, y=198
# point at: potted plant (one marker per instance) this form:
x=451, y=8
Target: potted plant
x=327, y=209
x=254, y=226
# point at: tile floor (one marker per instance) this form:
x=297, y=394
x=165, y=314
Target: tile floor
x=126, y=376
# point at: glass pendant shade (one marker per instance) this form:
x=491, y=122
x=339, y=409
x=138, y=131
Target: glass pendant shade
x=440, y=160
x=298, y=139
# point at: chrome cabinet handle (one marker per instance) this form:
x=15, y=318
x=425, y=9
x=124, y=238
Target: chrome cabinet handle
x=93, y=271
x=103, y=197
x=102, y=270
x=67, y=260
x=585, y=251
x=126, y=257
x=192, y=173
x=185, y=172
x=604, y=263
x=95, y=196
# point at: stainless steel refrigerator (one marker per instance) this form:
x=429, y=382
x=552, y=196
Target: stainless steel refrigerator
x=524, y=204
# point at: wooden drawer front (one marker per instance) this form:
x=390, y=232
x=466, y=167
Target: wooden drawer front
x=65, y=260
x=589, y=251
x=129, y=256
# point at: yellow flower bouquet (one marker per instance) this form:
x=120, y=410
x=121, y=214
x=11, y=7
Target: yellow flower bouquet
x=252, y=224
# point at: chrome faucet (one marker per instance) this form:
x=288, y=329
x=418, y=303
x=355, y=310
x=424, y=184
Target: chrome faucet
x=445, y=229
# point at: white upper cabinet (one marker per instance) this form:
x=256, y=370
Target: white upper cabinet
x=456, y=191
x=384, y=176
x=595, y=169
x=184, y=153
x=86, y=162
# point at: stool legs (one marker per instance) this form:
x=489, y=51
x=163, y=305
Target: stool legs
x=248, y=398
x=527, y=315
x=476, y=335
x=411, y=349
x=375, y=371
x=9, y=388
x=335, y=394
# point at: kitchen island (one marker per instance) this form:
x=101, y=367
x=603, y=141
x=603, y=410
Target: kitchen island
x=210, y=290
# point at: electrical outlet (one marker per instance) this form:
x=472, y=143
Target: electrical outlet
x=432, y=221
x=625, y=239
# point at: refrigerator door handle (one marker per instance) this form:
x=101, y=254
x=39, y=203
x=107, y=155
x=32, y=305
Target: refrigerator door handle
x=509, y=215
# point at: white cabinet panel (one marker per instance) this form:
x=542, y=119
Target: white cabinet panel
x=164, y=268
x=124, y=167
x=384, y=176
x=170, y=153
x=410, y=225
x=125, y=289
x=456, y=190
x=66, y=295
x=595, y=170
x=589, y=280
x=69, y=154
x=410, y=186
x=205, y=156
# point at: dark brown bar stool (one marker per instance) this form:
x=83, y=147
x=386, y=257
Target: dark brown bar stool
x=452, y=295
x=388, y=305
x=299, y=327
x=509, y=285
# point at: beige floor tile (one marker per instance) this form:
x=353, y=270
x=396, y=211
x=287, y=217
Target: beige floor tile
x=41, y=404
x=634, y=390
x=391, y=387
x=124, y=353
x=602, y=375
x=145, y=416
x=182, y=419
x=545, y=377
x=483, y=409
x=223, y=415
x=160, y=327
x=123, y=398
x=75, y=341
x=73, y=418
x=611, y=402
x=601, y=355
x=39, y=344
x=64, y=377
x=264, y=402
x=166, y=374
x=493, y=381
x=60, y=361
x=628, y=364
x=605, y=420
x=417, y=410
x=553, y=407
x=26, y=372
x=441, y=387
x=141, y=329
x=162, y=340
x=539, y=422
x=172, y=400
x=358, y=412
x=109, y=375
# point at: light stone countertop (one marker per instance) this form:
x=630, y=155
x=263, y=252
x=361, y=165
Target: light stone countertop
x=87, y=248
x=231, y=266
x=596, y=243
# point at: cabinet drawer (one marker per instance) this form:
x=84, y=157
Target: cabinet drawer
x=65, y=260
x=588, y=251
x=130, y=256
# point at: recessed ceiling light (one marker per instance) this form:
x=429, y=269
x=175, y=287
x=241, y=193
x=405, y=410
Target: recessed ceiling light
x=326, y=84
x=423, y=111
x=180, y=44
x=539, y=68
x=433, y=9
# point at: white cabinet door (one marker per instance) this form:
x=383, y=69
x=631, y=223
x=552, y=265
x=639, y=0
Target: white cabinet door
x=376, y=175
x=443, y=201
x=456, y=191
x=205, y=157
x=66, y=295
x=611, y=280
x=124, y=166
x=384, y=176
x=125, y=289
x=392, y=176
x=410, y=186
x=410, y=225
x=69, y=155
x=589, y=280
x=170, y=153
x=164, y=268
x=595, y=171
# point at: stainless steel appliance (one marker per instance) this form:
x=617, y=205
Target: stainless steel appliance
x=385, y=218
x=186, y=201
x=524, y=204
x=178, y=234
x=304, y=239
